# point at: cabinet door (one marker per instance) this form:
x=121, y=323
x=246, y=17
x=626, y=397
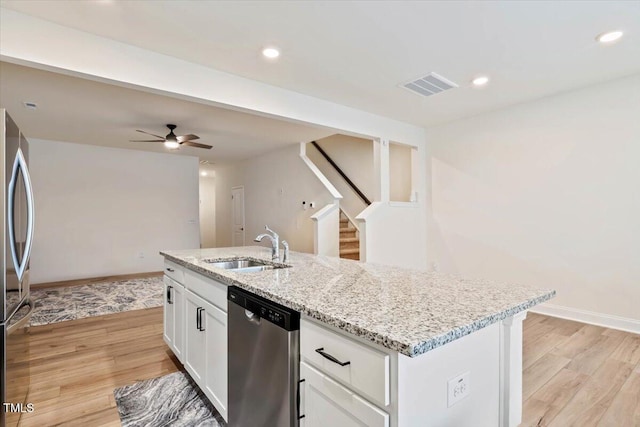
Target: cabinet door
x=177, y=297
x=195, y=338
x=169, y=313
x=324, y=402
x=215, y=325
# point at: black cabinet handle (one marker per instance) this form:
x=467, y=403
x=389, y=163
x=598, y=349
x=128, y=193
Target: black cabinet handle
x=330, y=357
x=170, y=270
x=199, y=311
x=169, y=300
x=298, y=399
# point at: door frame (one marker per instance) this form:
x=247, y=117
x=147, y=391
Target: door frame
x=233, y=242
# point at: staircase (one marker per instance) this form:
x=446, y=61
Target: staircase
x=349, y=240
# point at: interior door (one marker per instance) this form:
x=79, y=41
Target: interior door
x=237, y=215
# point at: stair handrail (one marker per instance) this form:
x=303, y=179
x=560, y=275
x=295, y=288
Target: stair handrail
x=341, y=173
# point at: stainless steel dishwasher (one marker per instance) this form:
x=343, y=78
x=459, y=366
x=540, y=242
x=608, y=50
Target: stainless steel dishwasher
x=264, y=356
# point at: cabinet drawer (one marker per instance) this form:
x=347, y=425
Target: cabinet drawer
x=367, y=370
x=324, y=402
x=209, y=289
x=174, y=271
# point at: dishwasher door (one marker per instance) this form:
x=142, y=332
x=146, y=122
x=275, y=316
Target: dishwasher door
x=263, y=362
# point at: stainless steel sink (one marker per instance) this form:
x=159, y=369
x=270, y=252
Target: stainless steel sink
x=243, y=265
x=238, y=263
x=252, y=269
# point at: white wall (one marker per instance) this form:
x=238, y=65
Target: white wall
x=97, y=208
x=546, y=194
x=208, y=211
x=82, y=54
x=263, y=178
x=399, y=172
x=355, y=157
x=391, y=235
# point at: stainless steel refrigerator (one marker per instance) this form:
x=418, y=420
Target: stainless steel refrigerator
x=16, y=217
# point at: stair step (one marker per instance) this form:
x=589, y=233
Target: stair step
x=355, y=257
x=349, y=239
x=347, y=230
x=349, y=242
x=349, y=251
x=349, y=245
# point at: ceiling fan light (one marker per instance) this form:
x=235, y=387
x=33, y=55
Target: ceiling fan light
x=171, y=145
x=609, y=37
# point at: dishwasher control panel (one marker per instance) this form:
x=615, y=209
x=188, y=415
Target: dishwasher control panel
x=275, y=313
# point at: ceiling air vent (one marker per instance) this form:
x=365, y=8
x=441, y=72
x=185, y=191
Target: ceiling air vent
x=430, y=84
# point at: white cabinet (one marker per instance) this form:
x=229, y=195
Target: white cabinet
x=340, y=378
x=215, y=325
x=324, y=402
x=174, y=271
x=361, y=367
x=174, y=316
x=206, y=348
x=195, y=362
x=195, y=328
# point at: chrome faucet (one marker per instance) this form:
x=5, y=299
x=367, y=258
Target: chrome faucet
x=285, y=255
x=275, y=245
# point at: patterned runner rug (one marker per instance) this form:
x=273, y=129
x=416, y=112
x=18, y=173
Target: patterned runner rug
x=172, y=400
x=76, y=302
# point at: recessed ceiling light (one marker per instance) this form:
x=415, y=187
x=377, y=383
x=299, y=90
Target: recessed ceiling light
x=203, y=173
x=271, y=52
x=171, y=145
x=30, y=105
x=609, y=37
x=480, y=81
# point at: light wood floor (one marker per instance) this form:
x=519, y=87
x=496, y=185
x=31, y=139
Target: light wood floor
x=579, y=375
x=574, y=374
x=75, y=366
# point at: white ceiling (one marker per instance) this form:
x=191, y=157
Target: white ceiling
x=83, y=111
x=357, y=53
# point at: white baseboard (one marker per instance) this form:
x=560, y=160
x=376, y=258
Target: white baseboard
x=591, y=317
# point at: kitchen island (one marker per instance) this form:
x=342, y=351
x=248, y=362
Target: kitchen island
x=425, y=348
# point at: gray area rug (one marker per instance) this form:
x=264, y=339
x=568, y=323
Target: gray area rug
x=171, y=400
x=76, y=302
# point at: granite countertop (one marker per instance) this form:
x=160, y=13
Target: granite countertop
x=405, y=310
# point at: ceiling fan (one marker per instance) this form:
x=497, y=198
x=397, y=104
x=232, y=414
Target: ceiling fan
x=173, y=141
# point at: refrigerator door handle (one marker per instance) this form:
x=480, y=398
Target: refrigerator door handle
x=20, y=166
x=22, y=322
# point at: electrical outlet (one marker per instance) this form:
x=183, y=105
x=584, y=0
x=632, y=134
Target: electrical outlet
x=140, y=254
x=458, y=388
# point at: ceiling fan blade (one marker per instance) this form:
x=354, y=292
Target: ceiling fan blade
x=146, y=140
x=157, y=136
x=195, y=144
x=190, y=137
